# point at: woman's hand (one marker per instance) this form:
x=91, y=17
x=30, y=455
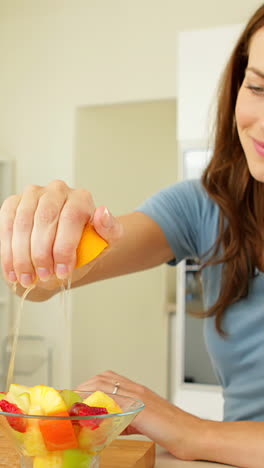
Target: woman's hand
x=160, y=421
x=40, y=231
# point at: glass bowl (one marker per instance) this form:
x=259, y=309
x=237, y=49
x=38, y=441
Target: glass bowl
x=67, y=441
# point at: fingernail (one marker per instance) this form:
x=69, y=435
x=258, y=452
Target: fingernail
x=12, y=277
x=43, y=273
x=62, y=271
x=26, y=279
x=107, y=219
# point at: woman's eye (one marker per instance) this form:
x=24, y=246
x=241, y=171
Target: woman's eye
x=256, y=89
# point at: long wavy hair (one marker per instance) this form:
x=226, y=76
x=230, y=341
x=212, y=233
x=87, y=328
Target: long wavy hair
x=229, y=183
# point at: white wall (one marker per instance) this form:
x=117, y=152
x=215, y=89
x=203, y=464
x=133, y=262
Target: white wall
x=201, y=58
x=58, y=55
x=127, y=151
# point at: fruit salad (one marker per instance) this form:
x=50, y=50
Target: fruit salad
x=58, y=438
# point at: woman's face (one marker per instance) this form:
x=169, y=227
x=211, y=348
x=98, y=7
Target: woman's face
x=250, y=108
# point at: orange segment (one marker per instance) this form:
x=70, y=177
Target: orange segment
x=90, y=246
x=58, y=434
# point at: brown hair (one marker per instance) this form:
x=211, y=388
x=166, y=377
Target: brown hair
x=228, y=182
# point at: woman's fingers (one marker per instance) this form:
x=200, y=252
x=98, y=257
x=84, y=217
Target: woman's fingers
x=76, y=213
x=7, y=217
x=106, y=225
x=40, y=231
x=106, y=382
x=21, y=240
x=94, y=384
x=59, y=222
x=109, y=382
x=44, y=229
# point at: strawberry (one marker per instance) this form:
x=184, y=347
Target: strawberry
x=17, y=423
x=81, y=409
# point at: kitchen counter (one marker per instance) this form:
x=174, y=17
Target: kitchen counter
x=165, y=460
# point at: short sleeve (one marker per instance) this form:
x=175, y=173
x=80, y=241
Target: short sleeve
x=178, y=209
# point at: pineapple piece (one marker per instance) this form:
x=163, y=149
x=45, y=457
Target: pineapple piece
x=19, y=395
x=47, y=399
x=103, y=400
x=22, y=401
x=19, y=436
x=52, y=460
x=86, y=438
x=95, y=440
x=34, y=444
x=17, y=389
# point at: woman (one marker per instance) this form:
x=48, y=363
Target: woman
x=219, y=219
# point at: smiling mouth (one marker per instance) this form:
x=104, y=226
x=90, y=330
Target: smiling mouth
x=259, y=146
x=258, y=142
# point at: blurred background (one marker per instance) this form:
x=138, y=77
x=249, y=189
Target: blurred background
x=89, y=93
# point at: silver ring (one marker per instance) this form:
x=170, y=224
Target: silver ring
x=117, y=385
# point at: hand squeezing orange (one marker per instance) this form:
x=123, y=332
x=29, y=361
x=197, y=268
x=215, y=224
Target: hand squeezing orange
x=90, y=246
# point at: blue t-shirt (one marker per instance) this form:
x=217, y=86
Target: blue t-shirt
x=189, y=219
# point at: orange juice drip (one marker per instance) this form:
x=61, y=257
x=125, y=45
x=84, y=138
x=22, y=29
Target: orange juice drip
x=16, y=329
x=65, y=301
x=65, y=306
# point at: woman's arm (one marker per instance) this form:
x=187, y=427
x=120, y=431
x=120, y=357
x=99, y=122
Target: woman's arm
x=40, y=231
x=238, y=443
x=186, y=436
x=142, y=246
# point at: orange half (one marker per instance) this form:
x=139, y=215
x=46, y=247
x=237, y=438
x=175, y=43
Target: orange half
x=90, y=246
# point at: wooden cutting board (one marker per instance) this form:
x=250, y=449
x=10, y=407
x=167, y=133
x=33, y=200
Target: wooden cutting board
x=122, y=453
